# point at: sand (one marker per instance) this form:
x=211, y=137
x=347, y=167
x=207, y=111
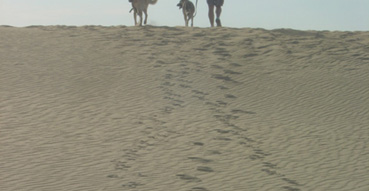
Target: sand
x=184, y=109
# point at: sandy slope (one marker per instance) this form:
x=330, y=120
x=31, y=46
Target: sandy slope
x=166, y=108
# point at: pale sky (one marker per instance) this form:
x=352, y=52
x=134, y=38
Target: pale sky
x=343, y=15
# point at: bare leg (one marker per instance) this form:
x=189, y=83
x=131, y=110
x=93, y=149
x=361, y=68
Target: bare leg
x=218, y=11
x=211, y=15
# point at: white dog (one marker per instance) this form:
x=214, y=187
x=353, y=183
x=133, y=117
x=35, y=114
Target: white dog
x=139, y=6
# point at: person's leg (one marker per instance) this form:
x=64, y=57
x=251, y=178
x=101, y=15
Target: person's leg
x=218, y=11
x=211, y=14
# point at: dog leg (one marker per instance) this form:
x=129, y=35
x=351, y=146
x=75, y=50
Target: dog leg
x=185, y=18
x=135, y=16
x=192, y=21
x=186, y=21
x=140, y=15
x=145, y=11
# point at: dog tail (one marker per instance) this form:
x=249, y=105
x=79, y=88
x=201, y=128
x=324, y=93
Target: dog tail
x=153, y=2
x=195, y=10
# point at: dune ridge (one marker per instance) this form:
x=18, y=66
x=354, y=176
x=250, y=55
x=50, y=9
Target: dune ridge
x=174, y=108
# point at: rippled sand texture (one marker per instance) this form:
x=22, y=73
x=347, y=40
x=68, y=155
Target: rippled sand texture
x=172, y=108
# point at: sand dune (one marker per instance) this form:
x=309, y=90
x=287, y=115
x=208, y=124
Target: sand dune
x=173, y=108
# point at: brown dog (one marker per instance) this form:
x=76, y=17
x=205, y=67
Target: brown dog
x=188, y=9
x=139, y=6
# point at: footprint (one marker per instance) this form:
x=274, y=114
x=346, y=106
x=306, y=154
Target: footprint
x=291, y=181
x=177, y=105
x=184, y=73
x=168, y=76
x=161, y=62
x=199, y=92
x=249, y=55
x=168, y=109
x=217, y=66
x=221, y=77
x=222, y=52
x=260, y=152
x=235, y=111
x=184, y=81
x=223, y=131
x=199, y=97
x=199, y=34
x=198, y=143
x=290, y=188
x=121, y=165
x=256, y=157
x=204, y=169
x=199, y=189
x=132, y=185
x=201, y=160
x=270, y=165
x=157, y=66
x=214, y=152
x=222, y=139
x=226, y=118
x=184, y=86
x=249, y=139
x=167, y=97
x=188, y=178
x=235, y=64
x=170, y=93
x=211, y=104
x=231, y=72
x=230, y=96
x=178, y=101
x=222, y=87
x=222, y=103
x=113, y=176
x=270, y=172
x=168, y=84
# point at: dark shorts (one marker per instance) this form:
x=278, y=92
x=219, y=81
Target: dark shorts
x=215, y=2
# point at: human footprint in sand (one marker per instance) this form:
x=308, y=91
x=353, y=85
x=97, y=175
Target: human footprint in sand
x=218, y=4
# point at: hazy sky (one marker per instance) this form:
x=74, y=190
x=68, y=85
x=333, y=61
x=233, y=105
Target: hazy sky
x=348, y=15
